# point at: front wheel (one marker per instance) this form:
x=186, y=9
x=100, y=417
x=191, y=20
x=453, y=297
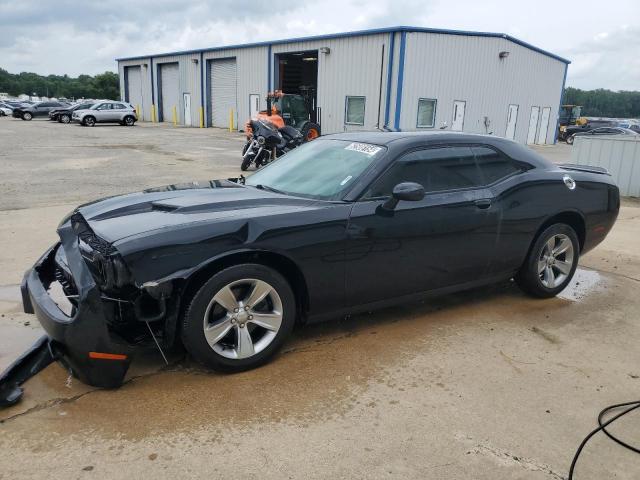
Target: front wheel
x=89, y=121
x=551, y=263
x=64, y=118
x=27, y=116
x=570, y=139
x=240, y=318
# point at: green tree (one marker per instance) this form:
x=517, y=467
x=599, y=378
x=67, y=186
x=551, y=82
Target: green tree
x=104, y=85
x=604, y=103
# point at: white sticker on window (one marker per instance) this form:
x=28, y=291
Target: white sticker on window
x=363, y=148
x=343, y=182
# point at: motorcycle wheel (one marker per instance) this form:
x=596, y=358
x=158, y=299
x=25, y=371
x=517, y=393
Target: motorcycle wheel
x=310, y=131
x=245, y=165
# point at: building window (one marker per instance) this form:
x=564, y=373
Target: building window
x=426, y=113
x=355, y=111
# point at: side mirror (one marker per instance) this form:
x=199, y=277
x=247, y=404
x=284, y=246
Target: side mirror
x=407, y=191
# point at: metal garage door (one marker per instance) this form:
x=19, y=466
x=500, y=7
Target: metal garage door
x=134, y=88
x=170, y=96
x=223, y=91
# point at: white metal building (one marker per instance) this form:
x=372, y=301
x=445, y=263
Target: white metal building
x=404, y=78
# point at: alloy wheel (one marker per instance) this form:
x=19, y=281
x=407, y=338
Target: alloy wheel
x=555, y=261
x=243, y=318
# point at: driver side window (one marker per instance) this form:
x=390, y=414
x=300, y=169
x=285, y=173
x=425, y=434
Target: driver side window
x=436, y=169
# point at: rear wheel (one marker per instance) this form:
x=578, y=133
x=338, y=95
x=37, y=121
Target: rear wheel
x=89, y=121
x=551, y=263
x=570, y=139
x=240, y=318
x=129, y=121
x=27, y=116
x=64, y=118
x=310, y=131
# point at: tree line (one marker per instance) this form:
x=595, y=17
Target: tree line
x=103, y=85
x=604, y=103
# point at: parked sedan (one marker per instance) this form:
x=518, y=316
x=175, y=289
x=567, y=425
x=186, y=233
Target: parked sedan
x=344, y=224
x=106, y=112
x=40, y=109
x=63, y=115
x=602, y=132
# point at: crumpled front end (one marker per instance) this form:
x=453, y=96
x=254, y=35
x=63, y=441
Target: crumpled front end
x=71, y=306
x=83, y=296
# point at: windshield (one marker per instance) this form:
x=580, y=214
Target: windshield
x=323, y=169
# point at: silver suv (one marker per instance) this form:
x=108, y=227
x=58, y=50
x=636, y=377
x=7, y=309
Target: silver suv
x=106, y=112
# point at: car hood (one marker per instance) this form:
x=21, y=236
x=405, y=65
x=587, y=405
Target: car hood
x=116, y=219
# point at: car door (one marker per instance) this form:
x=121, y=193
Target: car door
x=443, y=240
x=42, y=109
x=117, y=113
x=515, y=210
x=103, y=112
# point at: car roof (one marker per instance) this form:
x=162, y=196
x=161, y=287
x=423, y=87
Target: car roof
x=397, y=142
x=436, y=136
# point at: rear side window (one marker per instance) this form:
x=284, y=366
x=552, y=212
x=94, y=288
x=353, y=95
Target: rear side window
x=494, y=165
x=436, y=169
x=118, y=106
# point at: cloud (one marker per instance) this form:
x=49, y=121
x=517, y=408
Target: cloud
x=607, y=60
x=73, y=37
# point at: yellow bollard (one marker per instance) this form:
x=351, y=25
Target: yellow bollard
x=201, y=117
x=153, y=113
x=175, y=116
x=231, y=120
x=138, y=111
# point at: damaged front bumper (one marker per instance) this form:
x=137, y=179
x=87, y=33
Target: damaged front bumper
x=80, y=339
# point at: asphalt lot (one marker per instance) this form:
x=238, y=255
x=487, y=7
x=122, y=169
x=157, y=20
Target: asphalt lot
x=487, y=384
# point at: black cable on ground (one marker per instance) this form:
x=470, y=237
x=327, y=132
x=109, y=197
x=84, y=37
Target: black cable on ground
x=602, y=426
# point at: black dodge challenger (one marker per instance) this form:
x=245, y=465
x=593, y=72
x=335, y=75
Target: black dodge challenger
x=345, y=223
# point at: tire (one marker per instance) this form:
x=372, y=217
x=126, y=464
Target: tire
x=310, y=131
x=27, y=116
x=245, y=165
x=89, y=121
x=129, y=121
x=545, y=276
x=64, y=118
x=225, y=350
x=570, y=139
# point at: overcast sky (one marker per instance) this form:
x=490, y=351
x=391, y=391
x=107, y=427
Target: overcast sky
x=84, y=36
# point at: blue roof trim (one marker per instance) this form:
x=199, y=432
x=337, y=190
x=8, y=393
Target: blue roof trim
x=358, y=33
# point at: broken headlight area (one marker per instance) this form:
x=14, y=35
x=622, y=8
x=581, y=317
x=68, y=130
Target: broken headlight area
x=134, y=314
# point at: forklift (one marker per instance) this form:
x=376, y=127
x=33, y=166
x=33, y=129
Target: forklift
x=289, y=109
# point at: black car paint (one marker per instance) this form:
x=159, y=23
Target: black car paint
x=41, y=109
x=340, y=256
x=55, y=113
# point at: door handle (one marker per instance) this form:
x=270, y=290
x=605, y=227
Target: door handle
x=483, y=203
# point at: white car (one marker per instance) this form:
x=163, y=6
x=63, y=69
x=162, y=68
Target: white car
x=108, y=111
x=5, y=112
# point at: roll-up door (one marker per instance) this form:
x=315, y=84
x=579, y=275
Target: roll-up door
x=170, y=93
x=223, y=92
x=134, y=88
